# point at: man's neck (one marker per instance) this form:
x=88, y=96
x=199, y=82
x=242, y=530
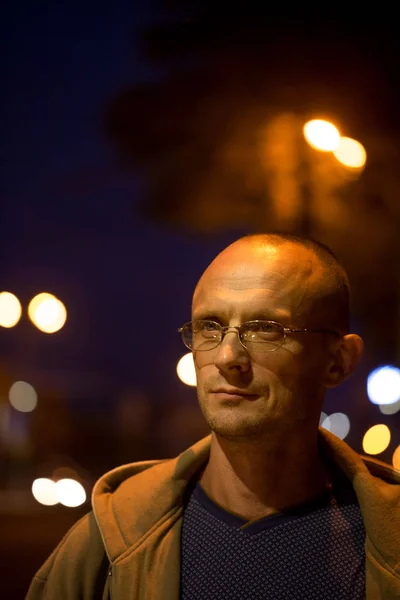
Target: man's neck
x=254, y=479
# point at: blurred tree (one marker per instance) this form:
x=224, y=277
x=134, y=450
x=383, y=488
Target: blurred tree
x=218, y=138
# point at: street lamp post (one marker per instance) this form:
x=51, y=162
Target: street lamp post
x=324, y=136
x=306, y=194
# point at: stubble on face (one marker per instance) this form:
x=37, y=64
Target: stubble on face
x=240, y=282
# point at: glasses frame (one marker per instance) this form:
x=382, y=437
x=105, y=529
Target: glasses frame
x=239, y=328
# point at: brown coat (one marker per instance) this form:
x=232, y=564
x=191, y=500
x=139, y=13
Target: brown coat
x=128, y=547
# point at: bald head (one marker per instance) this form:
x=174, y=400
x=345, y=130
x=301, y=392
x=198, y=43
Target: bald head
x=307, y=274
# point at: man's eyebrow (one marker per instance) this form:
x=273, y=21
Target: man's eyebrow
x=214, y=314
x=259, y=283
x=272, y=315
x=268, y=315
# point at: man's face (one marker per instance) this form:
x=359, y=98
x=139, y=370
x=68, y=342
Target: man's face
x=281, y=389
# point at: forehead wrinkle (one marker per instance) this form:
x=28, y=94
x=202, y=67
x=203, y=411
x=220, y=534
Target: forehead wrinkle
x=296, y=277
x=244, y=283
x=234, y=282
x=220, y=284
x=251, y=304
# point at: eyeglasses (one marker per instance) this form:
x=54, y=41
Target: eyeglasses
x=259, y=336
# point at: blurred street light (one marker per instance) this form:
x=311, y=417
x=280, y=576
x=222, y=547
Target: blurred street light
x=383, y=385
x=337, y=423
x=47, y=312
x=376, y=439
x=322, y=135
x=10, y=309
x=185, y=369
x=350, y=153
x=22, y=396
x=390, y=409
x=396, y=458
x=70, y=492
x=325, y=137
x=44, y=491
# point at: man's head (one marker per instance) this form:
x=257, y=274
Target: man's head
x=294, y=282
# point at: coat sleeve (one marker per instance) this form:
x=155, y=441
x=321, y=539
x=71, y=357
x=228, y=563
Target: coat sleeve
x=77, y=568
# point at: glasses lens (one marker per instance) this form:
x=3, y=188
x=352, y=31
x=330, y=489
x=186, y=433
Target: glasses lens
x=262, y=336
x=201, y=335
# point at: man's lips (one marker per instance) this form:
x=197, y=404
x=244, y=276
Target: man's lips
x=233, y=393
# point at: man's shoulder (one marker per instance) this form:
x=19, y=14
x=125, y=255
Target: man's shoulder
x=337, y=451
x=78, y=560
x=75, y=544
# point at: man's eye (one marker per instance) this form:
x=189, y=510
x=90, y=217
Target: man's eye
x=263, y=331
x=266, y=327
x=204, y=326
x=209, y=326
x=207, y=329
x=268, y=331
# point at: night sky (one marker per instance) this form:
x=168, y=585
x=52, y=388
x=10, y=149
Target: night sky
x=69, y=225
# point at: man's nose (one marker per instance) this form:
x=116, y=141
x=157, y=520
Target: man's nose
x=230, y=353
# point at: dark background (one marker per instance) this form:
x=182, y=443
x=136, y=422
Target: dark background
x=130, y=156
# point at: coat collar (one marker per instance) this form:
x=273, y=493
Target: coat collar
x=133, y=500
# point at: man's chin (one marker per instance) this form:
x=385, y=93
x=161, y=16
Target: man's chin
x=239, y=430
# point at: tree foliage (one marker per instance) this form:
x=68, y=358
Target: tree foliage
x=218, y=136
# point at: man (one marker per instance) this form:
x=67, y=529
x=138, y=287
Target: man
x=268, y=506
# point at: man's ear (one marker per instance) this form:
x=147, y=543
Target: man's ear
x=346, y=355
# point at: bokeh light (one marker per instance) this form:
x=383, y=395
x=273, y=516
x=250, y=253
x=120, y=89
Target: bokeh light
x=338, y=423
x=376, y=439
x=383, y=385
x=350, y=153
x=186, y=371
x=390, y=409
x=322, y=135
x=322, y=418
x=47, y=312
x=325, y=422
x=44, y=491
x=22, y=396
x=70, y=492
x=10, y=309
x=396, y=458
